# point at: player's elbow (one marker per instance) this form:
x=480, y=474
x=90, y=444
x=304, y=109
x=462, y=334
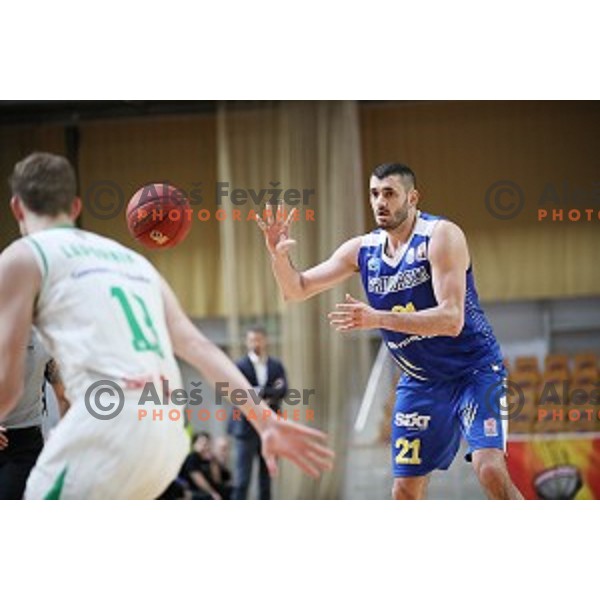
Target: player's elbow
x=290, y=298
x=296, y=294
x=455, y=329
x=455, y=321
x=301, y=290
x=456, y=326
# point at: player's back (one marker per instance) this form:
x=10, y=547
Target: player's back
x=100, y=311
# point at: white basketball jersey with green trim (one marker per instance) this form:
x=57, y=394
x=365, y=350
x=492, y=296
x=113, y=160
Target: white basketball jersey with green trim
x=100, y=312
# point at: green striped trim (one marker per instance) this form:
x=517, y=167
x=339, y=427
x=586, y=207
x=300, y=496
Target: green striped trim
x=56, y=490
x=41, y=253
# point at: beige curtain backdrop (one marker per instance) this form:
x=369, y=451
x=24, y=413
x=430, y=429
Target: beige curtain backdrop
x=301, y=145
x=458, y=150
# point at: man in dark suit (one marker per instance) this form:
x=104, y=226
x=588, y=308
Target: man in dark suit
x=267, y=376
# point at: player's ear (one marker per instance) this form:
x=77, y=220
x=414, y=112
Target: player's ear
x=75, y=208
x=17, y=209
x=413, y=197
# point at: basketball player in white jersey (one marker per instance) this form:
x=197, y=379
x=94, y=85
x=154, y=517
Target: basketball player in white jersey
x=105, y=314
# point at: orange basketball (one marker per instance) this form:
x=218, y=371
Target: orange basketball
x=157, y=217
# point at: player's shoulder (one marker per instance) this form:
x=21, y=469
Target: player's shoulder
x=448, y=242
x=18, y=261
x=445, y=229
x=349, y=251
x=114, y=246
x=18, y=252
x=426, y=224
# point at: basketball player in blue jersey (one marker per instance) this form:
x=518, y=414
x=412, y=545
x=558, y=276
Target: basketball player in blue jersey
x=418, y=279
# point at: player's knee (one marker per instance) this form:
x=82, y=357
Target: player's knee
x=406, y=490
x=492, y=474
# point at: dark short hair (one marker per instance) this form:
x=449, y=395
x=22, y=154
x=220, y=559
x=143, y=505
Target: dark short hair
x=409, y=180
x=45, y=183
x=200, y=434
x=256, y=328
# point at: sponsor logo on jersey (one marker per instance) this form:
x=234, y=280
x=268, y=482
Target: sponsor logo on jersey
x=410, y=256
x=373, y=264
x=404, y=280
x=490, y=427
x=404, y=308
x=412, y=421
x=422, y=251
x=407, y=341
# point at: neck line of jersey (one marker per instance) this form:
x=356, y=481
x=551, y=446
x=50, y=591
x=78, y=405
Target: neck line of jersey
x=397, y=258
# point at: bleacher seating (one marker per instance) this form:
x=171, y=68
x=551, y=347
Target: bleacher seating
x=567, y=383
x=562, y=395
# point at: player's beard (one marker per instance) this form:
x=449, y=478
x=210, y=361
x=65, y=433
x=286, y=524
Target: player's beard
x=395, y=220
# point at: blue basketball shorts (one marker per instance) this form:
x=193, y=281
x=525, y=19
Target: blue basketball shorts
x=430, y=417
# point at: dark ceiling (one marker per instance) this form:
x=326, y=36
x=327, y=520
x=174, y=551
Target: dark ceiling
x=72, y=111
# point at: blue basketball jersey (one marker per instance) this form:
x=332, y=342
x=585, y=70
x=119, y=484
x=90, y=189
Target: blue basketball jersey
x=403, y=284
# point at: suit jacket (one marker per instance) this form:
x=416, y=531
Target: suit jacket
x=273, y=392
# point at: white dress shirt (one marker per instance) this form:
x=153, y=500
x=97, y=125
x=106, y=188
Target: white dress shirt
x=260, y=368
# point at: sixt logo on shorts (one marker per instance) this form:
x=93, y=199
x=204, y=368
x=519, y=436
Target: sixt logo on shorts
x=413, y=421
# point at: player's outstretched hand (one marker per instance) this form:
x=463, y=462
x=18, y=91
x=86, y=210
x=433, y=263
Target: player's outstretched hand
x=353, y=314
x=302, y=445
x=277, y=231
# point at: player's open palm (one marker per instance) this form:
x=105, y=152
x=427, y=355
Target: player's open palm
x=302, y=445
x=276, y=230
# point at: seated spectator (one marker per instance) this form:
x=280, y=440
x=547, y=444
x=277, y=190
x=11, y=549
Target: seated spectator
x=177, y=490
x=201, y=471
x=222, y=454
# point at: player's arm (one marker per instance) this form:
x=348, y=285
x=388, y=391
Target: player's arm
x=449, y=258
x=52, y=375
x=20, y=281
x=302, y=445
x=194, y=347
x=296, y=285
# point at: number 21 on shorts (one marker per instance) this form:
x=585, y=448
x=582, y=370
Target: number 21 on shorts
x=408, y=452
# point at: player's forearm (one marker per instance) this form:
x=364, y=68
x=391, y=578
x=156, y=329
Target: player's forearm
x=288, y=278
x=217, y=368
x=441, y=320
